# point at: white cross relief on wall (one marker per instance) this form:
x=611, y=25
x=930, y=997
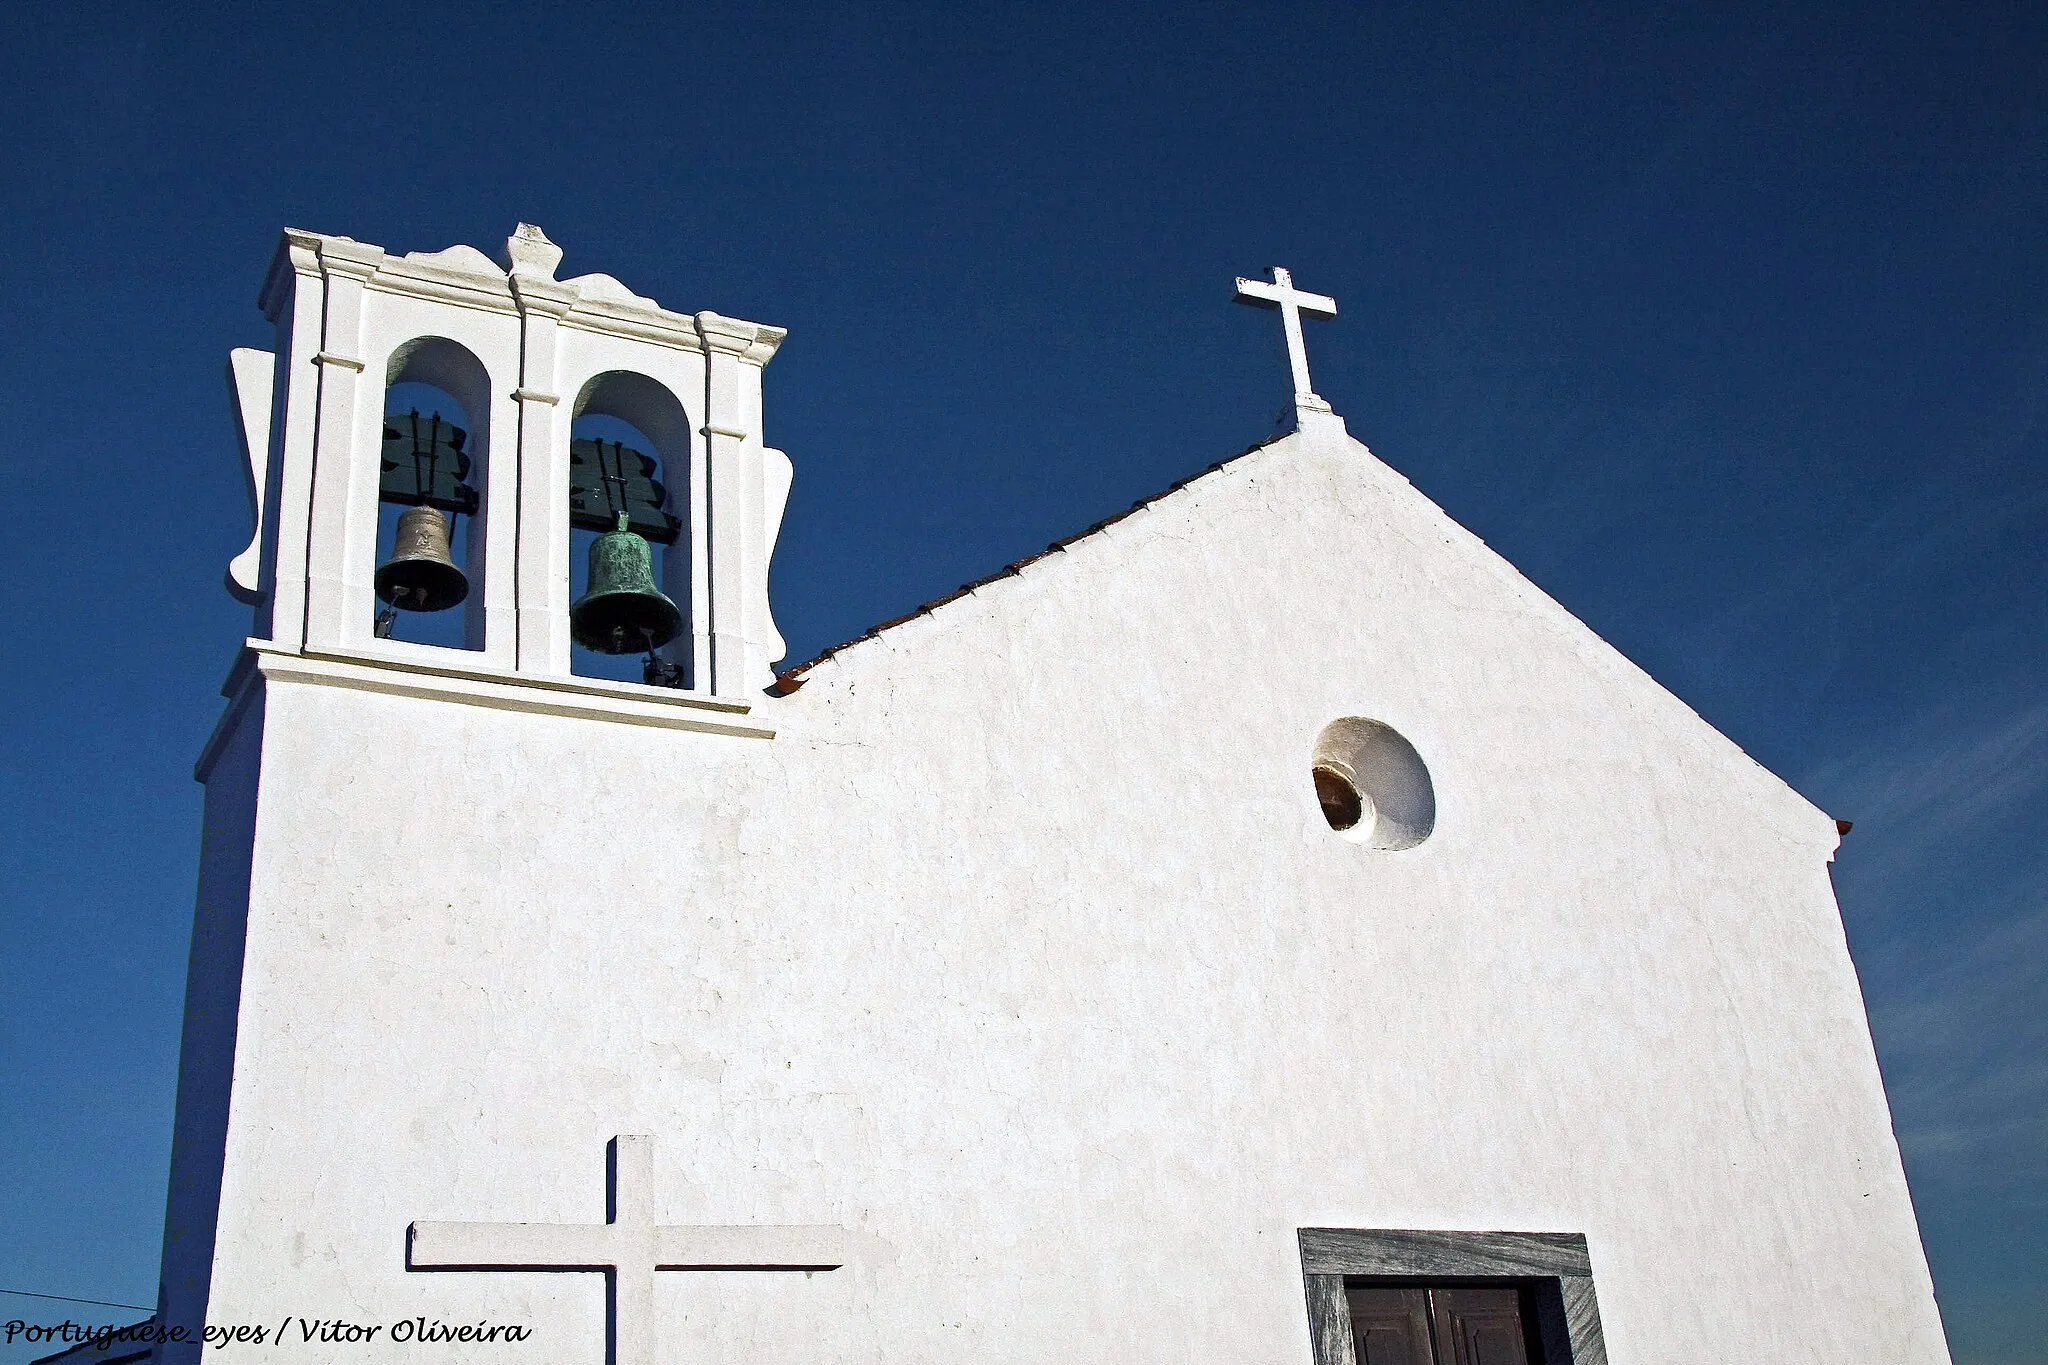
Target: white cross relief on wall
x=1292, y=303
x=628, y=1246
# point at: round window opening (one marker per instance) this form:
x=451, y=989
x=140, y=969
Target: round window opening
x=1373, y=787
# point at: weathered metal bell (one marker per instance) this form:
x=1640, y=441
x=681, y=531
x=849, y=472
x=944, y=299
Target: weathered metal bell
x=621, y=611
x=421, y=574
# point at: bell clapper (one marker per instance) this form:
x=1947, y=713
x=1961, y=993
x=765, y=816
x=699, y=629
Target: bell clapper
x=387, y=615
x=657, y=671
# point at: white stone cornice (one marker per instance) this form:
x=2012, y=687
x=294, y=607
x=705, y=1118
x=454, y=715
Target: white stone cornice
x=722, y=333
x=584, y=698
x=767, y=341
x=444, y=284
x=539, y=294
x=753, y=342
x=452, y=276
x=347, y=257
x=602, y=288
x=458, y=275
x=459, y=259
x=657, y=325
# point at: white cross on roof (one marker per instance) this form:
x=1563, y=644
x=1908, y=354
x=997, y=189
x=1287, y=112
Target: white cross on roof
x=1292, y=303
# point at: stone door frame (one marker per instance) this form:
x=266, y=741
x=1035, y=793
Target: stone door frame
x=1568, y=1315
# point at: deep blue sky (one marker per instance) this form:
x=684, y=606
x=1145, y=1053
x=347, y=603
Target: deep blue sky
x=1729, y=328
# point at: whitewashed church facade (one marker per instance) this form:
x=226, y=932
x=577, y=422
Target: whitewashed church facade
x=1265, y=928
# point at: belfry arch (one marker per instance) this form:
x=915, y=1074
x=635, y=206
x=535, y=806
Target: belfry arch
x=620, y=422
x=436, y=408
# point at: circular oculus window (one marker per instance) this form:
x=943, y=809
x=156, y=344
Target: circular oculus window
x=1373, y=787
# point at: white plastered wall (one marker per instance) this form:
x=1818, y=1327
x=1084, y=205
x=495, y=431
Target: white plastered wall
x=1023, y=949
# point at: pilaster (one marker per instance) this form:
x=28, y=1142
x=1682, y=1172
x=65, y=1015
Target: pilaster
x=294, y=299
x=341, y=543
x=739, y=635
x=543, y=574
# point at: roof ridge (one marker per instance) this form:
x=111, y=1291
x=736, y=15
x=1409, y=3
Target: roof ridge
x=790, y=679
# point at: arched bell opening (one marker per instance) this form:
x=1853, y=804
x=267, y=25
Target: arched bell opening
x=432, y=471
x=629, y=543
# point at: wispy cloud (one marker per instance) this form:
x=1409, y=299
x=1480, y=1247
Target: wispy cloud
x=1965, y=1041
x=1950, y=924
x=1948, y=782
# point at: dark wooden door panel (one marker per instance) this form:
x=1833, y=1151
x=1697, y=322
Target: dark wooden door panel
x=1478, y=1326
x=1390, y=1326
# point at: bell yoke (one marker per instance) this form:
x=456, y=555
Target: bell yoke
x=612, y=489
x=426, y=471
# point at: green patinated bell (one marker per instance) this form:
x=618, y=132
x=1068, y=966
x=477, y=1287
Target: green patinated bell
x=622, y=612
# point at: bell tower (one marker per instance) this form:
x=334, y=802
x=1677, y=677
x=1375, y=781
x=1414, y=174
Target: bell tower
x=432, y=446
x=525, y=356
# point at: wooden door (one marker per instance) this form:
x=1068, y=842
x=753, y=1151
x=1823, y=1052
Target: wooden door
x=1477, y=1326
x=1390, y=1326
x=1436, y=1326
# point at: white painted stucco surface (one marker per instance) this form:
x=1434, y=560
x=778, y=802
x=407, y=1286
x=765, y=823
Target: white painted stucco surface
x=1024, y=950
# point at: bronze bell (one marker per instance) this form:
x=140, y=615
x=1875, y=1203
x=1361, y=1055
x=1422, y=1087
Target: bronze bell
x=421, y=574
x=621, y=611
